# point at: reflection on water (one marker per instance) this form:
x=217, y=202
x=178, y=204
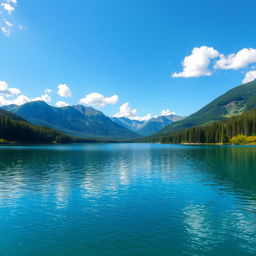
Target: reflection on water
x=127, y=199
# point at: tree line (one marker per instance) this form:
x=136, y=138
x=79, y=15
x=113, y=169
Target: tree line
x=24, y=132
x=217, y=132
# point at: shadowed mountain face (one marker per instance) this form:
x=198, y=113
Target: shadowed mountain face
x=77, y=120
x=15, y=129
x=10, y=115
x=149, y=127
x=234, y=102
x=133, y=125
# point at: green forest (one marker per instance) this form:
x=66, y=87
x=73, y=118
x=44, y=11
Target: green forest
x=236, y=130
x=24, y=132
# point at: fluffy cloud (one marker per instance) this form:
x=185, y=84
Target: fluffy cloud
x=239, y=60
x=5, y=31
x=6, y=27
x=21, y=99
x=13, y=96
x=249, y=76
x=8, y=23
x=47, y=91
x=45, y=97
x=20, y=27
x=126, y=111
x=6, y=91
x=12, y=1
x=167, y=112
x=64, y=91
x=99, y=100
x=60, y=104
x=198, y=62
x=8, y=7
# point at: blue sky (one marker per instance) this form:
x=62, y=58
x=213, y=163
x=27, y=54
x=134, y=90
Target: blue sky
x=126, y=52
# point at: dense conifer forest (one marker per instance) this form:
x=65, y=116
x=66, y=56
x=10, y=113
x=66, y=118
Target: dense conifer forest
x=17, y=130
x=233, y=130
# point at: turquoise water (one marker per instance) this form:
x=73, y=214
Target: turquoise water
x=127, y=199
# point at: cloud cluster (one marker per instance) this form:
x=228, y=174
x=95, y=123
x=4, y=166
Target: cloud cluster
x=7, y=8
x=9, y=95
x=239, y=60
x=249, y=76
x=98, y=100
x=198, y=62
x=126, y=111
x=64, y=91
x=6, y=91
x=167, y=112
x=13, y=96
x=61, y=104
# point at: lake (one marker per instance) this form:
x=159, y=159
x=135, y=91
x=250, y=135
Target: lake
x=127, y=199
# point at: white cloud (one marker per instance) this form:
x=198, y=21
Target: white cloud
x=99, y=100
x=20, y=27
x=12, y=1
x=126, y=111
x=5, y=31
x=6, y=91
x=197, y=63
x=20, y=100
x=7, y=96
x=45, y=97
x=4, y=101
x=239, y=60
x=47, y=91
x=60, y=104
x=9, y=8
x=64, y=91
x=167, y=112
x=249, y=76
x=7, y=27
x=8, y=23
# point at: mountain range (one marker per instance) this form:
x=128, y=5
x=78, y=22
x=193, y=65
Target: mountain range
x=14, y=129
x=79, y=121
x=88, y=123
x=146, y=128
x=234, y=102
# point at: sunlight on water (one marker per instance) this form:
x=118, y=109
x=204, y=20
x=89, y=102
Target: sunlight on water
x=127, y=199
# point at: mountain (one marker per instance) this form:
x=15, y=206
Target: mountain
x=15, y=129
x=149, y=127
x=154, y=125
x=11, y=116
x=80, y=121
x=232, y=103
x=133, y=125
x=240, y=129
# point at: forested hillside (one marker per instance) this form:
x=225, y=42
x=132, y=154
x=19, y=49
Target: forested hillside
x=15, y=129
x=217, y=132
x=234, y=102
x=78, y=121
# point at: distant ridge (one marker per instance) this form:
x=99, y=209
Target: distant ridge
x=232, y=103
x=148, y=127
x=14, y=129
x=80, y=121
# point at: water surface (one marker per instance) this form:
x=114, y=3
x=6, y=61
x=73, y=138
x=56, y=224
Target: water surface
x=127, y=199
